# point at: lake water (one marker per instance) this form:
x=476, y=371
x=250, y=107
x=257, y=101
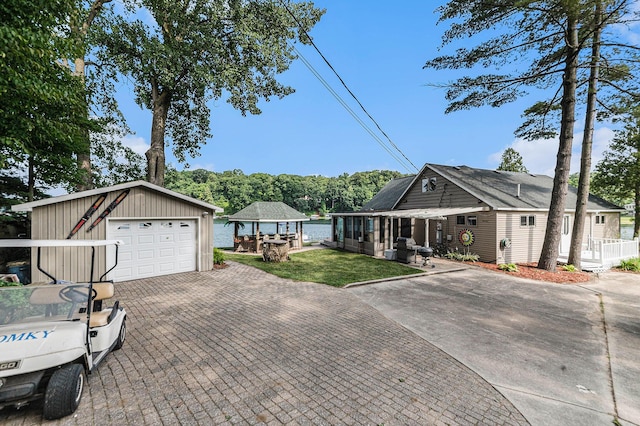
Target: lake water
x=316, y=230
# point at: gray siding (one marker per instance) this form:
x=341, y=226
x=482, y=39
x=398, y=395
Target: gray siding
x=55, y=221
x=484, y=233
x=446, y=194
x=526, y=241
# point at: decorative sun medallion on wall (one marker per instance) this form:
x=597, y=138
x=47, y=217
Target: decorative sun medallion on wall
x=466, y=237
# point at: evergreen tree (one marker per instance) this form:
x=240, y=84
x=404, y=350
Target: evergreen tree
x=512, y=161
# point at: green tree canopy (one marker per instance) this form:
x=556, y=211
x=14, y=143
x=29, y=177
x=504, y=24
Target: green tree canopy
x=42, y=106
x=617, y=175
x=512, y=161
x=233, y=190
x=190, y=52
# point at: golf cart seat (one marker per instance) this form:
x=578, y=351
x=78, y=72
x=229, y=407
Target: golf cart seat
x=99, y=316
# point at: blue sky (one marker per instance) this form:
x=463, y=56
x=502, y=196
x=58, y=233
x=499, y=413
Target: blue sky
x=378, y=48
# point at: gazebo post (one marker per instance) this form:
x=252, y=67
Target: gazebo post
x=258, y=238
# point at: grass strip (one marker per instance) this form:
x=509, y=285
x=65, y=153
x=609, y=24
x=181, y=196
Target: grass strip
x=327, y=266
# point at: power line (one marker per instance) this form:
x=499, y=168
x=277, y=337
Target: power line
x=350, y=93
x=348, y=108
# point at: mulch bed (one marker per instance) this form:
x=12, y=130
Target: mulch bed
x=530, y=271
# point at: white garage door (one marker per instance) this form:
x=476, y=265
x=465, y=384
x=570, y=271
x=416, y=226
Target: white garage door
x=153, y=247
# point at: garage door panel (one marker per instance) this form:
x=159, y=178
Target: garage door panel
x=145, y=239
x=168, y=268
x=154, y=247
x=167, y=252
x=124, y=256
x=145, y=254
x=145, y=271
x=166, y=238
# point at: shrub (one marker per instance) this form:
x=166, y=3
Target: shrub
x=509, y=267
x=630, y=265
x=569, y=268
x=218, y=256
x=462, y=257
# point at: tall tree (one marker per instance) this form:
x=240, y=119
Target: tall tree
x=575, y=249
x=553, y=35
x=512, y=161
x=192, y=51
x=546, y=32
x=618, y=173
x=42, y=107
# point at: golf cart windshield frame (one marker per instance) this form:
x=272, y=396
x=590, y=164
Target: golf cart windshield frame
x=65, y=243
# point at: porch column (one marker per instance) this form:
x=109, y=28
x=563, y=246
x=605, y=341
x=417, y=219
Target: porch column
x=426, y=233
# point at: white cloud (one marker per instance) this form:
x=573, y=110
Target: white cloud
x=136, y=143
x=539, y=156
x=208, y=167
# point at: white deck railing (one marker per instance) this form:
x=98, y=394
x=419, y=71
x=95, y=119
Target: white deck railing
x=609, y=252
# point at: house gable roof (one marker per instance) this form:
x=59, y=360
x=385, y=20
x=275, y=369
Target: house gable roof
x=389, y=195
x=120, y=187
x=507, y=190
x=268, y=211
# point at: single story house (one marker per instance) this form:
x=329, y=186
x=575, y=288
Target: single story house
x=500, y=216
x=164, y=232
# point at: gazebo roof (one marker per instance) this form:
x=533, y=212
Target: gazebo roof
x=268, y=211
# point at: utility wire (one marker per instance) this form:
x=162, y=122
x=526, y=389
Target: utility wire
x=350, y=111
x=346, y=87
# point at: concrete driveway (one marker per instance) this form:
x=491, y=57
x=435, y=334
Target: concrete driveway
x=239, y=346
x=544, y=346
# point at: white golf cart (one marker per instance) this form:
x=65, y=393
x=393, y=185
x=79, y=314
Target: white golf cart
x=51, y=335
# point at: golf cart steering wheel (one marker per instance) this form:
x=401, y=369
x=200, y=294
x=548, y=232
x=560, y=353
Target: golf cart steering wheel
x=73, y=295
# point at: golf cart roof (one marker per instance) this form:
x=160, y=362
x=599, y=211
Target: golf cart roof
x=57, y=243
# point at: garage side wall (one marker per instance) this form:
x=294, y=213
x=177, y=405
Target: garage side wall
x=55, y=221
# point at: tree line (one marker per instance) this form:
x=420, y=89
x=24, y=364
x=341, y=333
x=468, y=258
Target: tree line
x=233, y=190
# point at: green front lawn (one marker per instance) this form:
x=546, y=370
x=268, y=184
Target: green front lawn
x=327, y=266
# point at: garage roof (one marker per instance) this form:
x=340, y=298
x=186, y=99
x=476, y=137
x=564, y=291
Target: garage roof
x=27, y=207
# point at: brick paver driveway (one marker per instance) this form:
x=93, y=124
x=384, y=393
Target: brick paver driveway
x=239, y=346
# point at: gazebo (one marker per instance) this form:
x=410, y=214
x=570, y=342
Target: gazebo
x=267, y=212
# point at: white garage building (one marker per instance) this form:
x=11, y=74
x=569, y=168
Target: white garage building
x=164, y=232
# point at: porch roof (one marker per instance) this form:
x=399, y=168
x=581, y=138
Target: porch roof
x=432, y=213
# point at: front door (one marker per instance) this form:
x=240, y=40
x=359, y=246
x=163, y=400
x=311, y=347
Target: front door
x=565, y=238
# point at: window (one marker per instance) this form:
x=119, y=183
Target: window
x=357, y=227
x=381, y=229
x=145, y=225
x=429, y=184
x=460, y=220
x=368, y=234
x=599, y=220
x=528, y=220
x=348, y=228
x=405, y=227
x=472, y=220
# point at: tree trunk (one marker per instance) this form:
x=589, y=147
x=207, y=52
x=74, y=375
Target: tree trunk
x=83, y=156
x=575, y=252
x=155, y=154
x=549, y=255
x=31, y=180
x=81, y=28
x=636, y=199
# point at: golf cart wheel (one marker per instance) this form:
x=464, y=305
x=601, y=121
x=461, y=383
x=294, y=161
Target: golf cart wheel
x=121, y=336
x=64, y=391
